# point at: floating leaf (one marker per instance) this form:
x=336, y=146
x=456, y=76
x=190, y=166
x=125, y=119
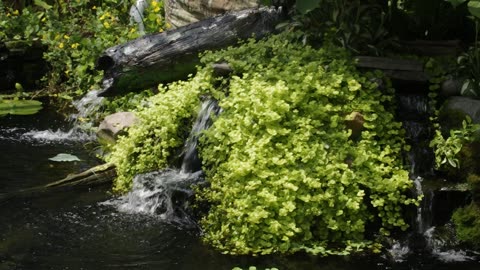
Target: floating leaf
x=64, y=158
x=19, y=107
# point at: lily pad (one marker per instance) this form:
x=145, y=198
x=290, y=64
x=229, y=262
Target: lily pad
x=64, y=158
x=19, y=107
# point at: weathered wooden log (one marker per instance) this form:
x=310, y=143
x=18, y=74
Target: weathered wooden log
x=96, y=176
x=172, y=55
x=397, y=69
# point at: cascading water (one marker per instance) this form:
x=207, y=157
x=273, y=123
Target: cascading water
x=80, y=130
x=167, y=194
x=414, y=112
x=191, y=162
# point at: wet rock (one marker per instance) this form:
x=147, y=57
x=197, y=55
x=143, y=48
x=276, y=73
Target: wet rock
x=451, y=87
x=114, y=125
x=456, y=108
x=355, y=124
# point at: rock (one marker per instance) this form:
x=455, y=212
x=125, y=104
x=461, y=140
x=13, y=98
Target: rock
x=451, y=87
x=114, y=125
x=355, y=123
x=182, y=12
x=455, y=109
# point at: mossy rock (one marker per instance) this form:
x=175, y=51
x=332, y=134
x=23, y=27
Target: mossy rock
x=474, y=183
x=455, y=110
x=467, y=224
x=468, y=157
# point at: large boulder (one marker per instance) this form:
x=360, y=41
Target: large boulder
x=114, y=125
x=182, y=12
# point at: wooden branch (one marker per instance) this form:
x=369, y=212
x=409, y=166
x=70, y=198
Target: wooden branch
x=172, y=55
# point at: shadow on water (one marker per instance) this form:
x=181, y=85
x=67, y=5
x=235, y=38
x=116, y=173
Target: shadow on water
x=85, y=230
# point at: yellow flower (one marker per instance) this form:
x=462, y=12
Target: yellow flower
x=156, y=9
x=74, y=45
x=60, y=45
x=154, y=4
x=106, y=24
x=94, y=7
x=15, y=12
x=66, y=37
x=44, y=19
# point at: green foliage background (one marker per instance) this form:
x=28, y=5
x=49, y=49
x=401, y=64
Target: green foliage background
x=75, y=34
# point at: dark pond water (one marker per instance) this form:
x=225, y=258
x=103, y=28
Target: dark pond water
x=77, y=230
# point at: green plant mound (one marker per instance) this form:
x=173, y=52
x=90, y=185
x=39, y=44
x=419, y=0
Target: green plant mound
x=285, y=173
x=467, y=224
x=164, y=124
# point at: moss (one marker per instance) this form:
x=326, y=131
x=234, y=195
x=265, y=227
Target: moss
x=468, y=156
x=467, y=224
x=474, y=182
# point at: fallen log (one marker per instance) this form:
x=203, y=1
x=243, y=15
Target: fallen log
x=172, y=55
x=96, y=176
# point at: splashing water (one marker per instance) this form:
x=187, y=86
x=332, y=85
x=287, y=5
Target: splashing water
x=399, y=251
x=51, y=136
x=87, y=106
x=167, y=194
x=81, y=130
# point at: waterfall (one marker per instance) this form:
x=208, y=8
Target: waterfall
x=87, y=106
x=167, y=194
x=191, y=162
x=81, y=124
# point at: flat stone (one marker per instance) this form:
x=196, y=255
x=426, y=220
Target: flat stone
x=114, y=125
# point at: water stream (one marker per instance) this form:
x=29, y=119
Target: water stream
x=151, y=227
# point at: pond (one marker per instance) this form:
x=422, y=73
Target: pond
x=82, y=230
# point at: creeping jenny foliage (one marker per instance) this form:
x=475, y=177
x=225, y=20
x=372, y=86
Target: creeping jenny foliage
x=285, y=173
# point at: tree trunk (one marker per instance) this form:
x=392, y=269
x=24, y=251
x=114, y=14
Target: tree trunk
x=172, y=55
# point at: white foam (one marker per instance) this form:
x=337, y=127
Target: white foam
x=46, y=136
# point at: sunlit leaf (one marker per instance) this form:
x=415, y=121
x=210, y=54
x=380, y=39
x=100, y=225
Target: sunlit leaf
x=474, y=8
